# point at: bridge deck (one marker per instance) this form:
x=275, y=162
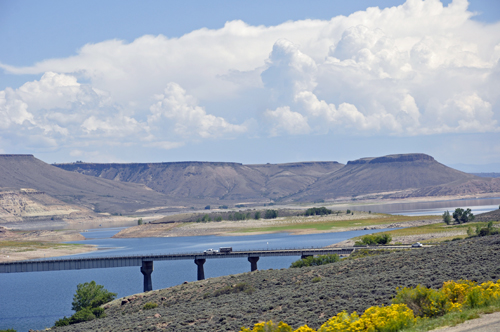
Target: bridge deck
x=122, y=261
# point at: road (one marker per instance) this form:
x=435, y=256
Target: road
x=487, y=323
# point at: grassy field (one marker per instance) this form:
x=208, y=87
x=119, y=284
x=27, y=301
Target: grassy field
x=331, y=225
x=440, y=228
x=19, y=246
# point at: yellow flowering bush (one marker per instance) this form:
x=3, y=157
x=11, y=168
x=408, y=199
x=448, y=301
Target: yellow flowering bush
x=425, y=302
x=408, y=303
x=387, y=319
x=343, y=322
x=483, y=295
x=269, y=327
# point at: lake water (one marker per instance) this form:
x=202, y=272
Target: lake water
x=477, y=205
x=36, y=300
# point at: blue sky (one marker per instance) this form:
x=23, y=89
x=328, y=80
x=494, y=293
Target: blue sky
x=250, y=82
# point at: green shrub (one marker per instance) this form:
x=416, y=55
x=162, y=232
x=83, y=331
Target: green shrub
x=86, y=302
x=271, y=214
x=257, y=215
x=98, y=312
x=463, y=216
x=150, y=305
x=372, y=239
x=239, y=216
x=315, y=261
x=62, y=322
x=447, y=217
x=90, y=295
x=348, y=211
x=316, y=279
x=317, y=211
x=83, y=315
x=425, y=302
x=139, y=222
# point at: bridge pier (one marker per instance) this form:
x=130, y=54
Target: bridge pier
x=201, y=272
x=253, y=263
x=146, y=270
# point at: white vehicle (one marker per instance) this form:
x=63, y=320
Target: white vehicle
x=210, y=251
x=417, y=245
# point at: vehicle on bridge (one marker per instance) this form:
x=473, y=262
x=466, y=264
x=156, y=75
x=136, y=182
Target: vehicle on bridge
x=210, y=251
x=225, y=249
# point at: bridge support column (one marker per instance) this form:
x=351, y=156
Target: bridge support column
x=253, y=263
x=305, y=256
x=146, y=270
x=201, y=272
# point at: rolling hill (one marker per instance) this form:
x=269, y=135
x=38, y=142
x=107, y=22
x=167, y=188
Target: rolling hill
x=392, y=176
x=231, y=182
x=21, y=172
x=30, y=187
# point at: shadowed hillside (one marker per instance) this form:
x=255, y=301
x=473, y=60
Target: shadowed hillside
x=26, y=171
x=214, y=180
x=393, y=176
x=412, y=174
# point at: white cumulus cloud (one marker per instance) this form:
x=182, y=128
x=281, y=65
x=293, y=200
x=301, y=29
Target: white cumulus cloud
x=420, y=68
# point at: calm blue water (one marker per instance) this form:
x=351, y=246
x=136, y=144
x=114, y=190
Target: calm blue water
x=477, y=205
x=36, y=300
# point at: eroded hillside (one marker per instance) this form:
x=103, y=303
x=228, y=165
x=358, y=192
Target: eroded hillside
x=393, y=176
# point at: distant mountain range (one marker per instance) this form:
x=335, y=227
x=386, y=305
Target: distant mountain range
x=125, y=188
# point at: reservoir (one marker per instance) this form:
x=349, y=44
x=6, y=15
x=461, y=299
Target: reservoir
x=36, y=300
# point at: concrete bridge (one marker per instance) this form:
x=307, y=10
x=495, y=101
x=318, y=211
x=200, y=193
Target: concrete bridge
x=146, y=261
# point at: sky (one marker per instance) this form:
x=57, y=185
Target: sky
x=250, y=81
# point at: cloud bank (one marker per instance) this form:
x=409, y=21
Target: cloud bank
x=416, y=69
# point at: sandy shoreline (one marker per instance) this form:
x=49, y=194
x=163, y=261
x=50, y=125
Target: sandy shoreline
x=25, y=253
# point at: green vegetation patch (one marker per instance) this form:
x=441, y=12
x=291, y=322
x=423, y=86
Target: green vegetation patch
x=316, y=261
x=333, y=224
x=437, y=228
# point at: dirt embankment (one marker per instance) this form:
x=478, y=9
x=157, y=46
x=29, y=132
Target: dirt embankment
x=308, y=295
x=22, y=245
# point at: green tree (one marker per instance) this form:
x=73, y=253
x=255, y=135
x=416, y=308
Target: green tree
x=139, y=222
x=462, y=216
x=257, y=215
x=90, y=295
x=271, y=214
x=317, y=211
x=447, y=217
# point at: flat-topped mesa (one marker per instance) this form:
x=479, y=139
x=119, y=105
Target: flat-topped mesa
x=159, y=164
x=16, y=156
x=393, y=158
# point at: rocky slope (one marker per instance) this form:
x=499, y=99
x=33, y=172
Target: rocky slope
x=393, y=176
x=33, y=205
x=214, y=180
x=308, y=295
x=26, y=172
x=389, y=174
